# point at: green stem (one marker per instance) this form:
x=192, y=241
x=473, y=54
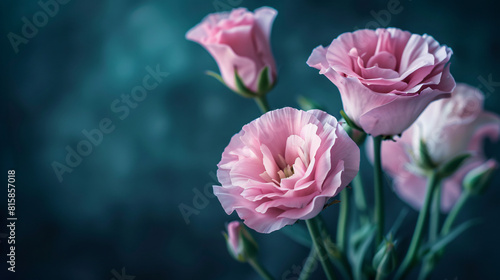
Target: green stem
x=380, y=274
x=379, y=190
x=359, y=199
x=452, y=216
x=436, y=210
x=312, y=225
x=411, y=255
x=448, y=223
x=262, y=103
x=430, y=261
x=342, y=223
x=307, y=270
x=427, y=268
x=257, y=266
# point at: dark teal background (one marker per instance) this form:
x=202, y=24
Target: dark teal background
x=120, y=206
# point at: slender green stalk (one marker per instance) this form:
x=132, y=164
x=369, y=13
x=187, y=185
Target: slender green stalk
x=257, y=266
x=379, y=189
x=411, y=255
x=312, y=225
x=310, y=263
x=429, y=262
x=452, y=216
x=427, y=268
x=262, y=103
x=380, y=274
x=448, y=223
x=342, y=223
x=337, y=257
x=359, y=199
x=436, y=210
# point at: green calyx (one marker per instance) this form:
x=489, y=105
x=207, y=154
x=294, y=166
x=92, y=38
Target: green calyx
x=384, y=261
x=264, y=84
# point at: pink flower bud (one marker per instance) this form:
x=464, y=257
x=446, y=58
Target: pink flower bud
x=239, y=41
x=240, y=243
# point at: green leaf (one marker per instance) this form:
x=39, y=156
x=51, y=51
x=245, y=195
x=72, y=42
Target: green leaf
x=334, y=254
x=397, y=224
x=240, y=85
x=330, y=246
x=263, y=84
x=349, y=121
x=307, y=104
x=298, y=233
x=357, y=258
x=425, y=161
x=453, y=165
x=216, y=76
x=441, y=243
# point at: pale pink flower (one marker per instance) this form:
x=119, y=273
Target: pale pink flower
x=449, y=127
x=284, y=166
x=386, y=77
x=238, y=40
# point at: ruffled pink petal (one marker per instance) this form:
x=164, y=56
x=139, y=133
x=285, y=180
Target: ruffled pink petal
x=380, y=74
x=331, y=188
x=247, y=69
x=393, y=40
x=264, y=223
x=265, y=17
x=364, y=41
x=487, y=126
x=357, y=98
x=394, y=117
x=269, y=162
x=416, y=54
x=240, y=38
x=318, y=60
x=348, y=153
x=245, y=170
x=383, y=59
x=287, y=202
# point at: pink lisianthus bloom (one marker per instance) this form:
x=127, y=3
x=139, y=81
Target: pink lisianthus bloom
x=239, y=41
x=386, y=77
x=284, y=166
x=449, y=127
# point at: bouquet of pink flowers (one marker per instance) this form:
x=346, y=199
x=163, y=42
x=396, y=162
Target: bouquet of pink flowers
x=287, y=166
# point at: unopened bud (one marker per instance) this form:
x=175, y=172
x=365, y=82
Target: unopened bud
x=384, y=261
x=479, y=178
x=240, y=243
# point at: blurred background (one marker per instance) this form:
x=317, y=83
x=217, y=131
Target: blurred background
x=117, y=211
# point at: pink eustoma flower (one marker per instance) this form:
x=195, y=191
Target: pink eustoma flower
x=386, y=77
x=284, y=166
x=449, y=127
x=238, y=40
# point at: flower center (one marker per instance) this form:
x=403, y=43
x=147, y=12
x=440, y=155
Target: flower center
x=286, y=172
